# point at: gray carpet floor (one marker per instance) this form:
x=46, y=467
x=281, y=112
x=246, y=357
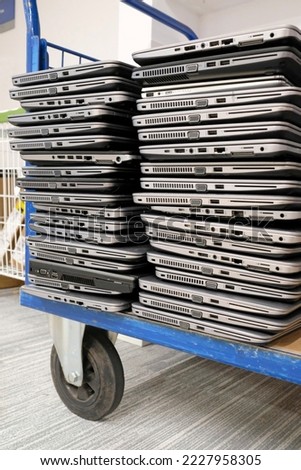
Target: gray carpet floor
x=172, y=400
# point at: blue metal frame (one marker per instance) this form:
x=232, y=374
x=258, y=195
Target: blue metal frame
x=162, y=17
x=253, y=358
x=263, y=360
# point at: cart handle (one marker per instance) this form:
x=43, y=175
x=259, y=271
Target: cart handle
x=162, y=17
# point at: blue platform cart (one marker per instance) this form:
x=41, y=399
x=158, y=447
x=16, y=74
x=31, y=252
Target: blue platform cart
x=86, y=368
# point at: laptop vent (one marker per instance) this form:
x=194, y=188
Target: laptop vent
x=23, y=93
x=30, y=78
x=45, y=282
x=181, y=278
x=166, y=291
x=173, y=70
x=172, y=104
x=34, y=198
x=37, y=184
x=165, y=120
x=166, y=200
x=31, y=145
x=161, y=318
x=178, y=264
x=78, y=280
x=173, y=170
x=59, y=259
x=163, y=135
x=40, y=172
x=24, y=132
x=168, y=306
x=179, y=237
x=173, y=186
x=47, y=246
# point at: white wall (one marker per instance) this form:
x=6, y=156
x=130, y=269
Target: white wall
x=252, y=15
x=92, y=30
x=161, y=34
x=12, y=57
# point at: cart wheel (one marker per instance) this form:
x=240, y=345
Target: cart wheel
x=103, y=383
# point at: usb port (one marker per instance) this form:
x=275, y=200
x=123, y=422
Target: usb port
x=202, y=150
x=211, y=64
x=220, y=100
x=218, y=169
x=214, y=201
x=179, y=150
x=225, y=62
x=219, y=186
x=214, y=43
x=212, y=115
x=189, y=48
x=213, y=132
x=220, y=149
x=237, y=261
x=227, y=42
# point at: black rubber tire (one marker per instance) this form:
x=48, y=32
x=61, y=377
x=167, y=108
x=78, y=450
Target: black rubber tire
x=103, y=384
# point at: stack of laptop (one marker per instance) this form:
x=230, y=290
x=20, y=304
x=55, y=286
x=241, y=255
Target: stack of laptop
x=220, y=139
x=85, y=236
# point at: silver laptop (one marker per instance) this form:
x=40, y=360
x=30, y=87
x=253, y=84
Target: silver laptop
x=269, y=37
x=218, y=200
x=80, y=113
x=243, y=113
x=243, y=229
x=75, y=184
x=190, y=269
x=207, y=327
x=220, y=243
x=88, y=223
x=81, y=129
x=241, y=303
x=241, y=168
x=77, y=171
x=194, y=310
x=86, y=199
x=213, y=98
x=76, y=142
x=76, y=71
x=249, y=149
x=204, y=185
x=269, y=129
x=234, y=84
x=118, y=99
x=121, y=212
x=86, y=262
x=278, y=61
x=87, y=236
x=126, y=254
x=249, y=262
x=79, y=157
x=224, y=285
x=89, y=85
x=90, y=302
x=254, y=213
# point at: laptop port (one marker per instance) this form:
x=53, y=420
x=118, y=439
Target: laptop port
x=237, y=261
x=189, y=48
x=211, y=64
x=213, y=43
x=225, y=62
x=219, y=186
x=220, y=100
x=237, y=213
x=227, y=42
x=218, y=169
x=220, y=149
x=179, y=150
x=213, y=132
